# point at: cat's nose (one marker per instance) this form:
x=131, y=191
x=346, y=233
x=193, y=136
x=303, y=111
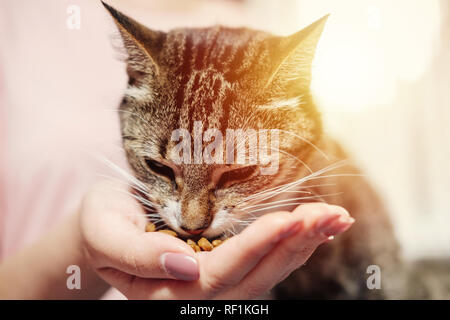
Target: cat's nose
x=193, y=231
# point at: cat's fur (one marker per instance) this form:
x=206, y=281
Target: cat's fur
x=242, y=78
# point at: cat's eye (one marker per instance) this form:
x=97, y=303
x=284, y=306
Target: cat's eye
x=231, y=177
x=160, y=169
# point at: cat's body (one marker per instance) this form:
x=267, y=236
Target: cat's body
x=343, y=268
x=340, y=269
x=225, y=78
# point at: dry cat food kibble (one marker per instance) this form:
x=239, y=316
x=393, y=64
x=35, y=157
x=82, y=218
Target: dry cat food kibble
x=150, y=227
x=216, y=243
x=205, y=244
x=193, y=245
x=169, y=232
x=201, y=245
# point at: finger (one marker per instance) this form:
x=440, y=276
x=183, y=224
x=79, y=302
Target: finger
x=249, y=247
x=134, y=287
x=148, y=255
x=217, y=270
x=113, y=240
x=319, y=223
x=119, y=280
x=171, y=289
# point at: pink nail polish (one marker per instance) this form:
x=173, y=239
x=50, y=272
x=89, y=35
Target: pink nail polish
x=290, y=230
x=337, y=226
x=180, y=266
x=326, y=220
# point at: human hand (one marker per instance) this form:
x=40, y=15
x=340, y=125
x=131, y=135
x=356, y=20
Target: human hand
x=153, y=265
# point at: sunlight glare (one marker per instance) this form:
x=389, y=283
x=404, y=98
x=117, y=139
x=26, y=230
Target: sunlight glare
x=368, y=47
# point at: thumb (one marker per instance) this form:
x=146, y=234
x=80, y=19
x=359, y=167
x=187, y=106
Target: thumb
x=122, y=246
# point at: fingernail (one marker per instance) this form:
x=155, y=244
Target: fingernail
x=326, y=220
x=339, y=210
x=322, y=224
x=180, y=266
x=290, y=230
x=337, y=226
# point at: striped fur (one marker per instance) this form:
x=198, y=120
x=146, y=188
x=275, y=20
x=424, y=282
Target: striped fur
x=226, y=78
x=238, y=78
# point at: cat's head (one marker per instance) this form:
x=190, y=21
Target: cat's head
x=186, y=81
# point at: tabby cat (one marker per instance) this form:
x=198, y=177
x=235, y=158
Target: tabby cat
x=238, y=78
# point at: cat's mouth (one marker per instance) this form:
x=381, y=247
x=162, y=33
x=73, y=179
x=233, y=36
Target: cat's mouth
x=160, y=225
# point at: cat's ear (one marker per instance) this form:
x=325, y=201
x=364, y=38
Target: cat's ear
x=141, y=43
x=294, y=59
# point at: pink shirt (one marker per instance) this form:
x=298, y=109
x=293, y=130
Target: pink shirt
x=59, y=90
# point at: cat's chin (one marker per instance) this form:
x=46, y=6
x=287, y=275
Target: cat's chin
x=211, y=237
x=216, y=230
x=210, y=234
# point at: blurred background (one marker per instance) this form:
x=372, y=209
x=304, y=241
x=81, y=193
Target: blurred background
x=381, y=77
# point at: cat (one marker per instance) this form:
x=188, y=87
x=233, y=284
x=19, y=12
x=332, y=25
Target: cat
x=239, y=78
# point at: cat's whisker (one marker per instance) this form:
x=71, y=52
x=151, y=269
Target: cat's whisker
x=339, y=175
x=319, y=196
x=292, y=156
x=298, y=191
x=141, y=199
x=231, y=232
x=133, y=183
x=277, y=193
x=155, y=221
x=317, y=185
x=278, y=206
x=261, y=193
x=292, y=199
x=277, y=190
x=286, y=188
x=117, y=179
x=130, y=185
x=252, y=217
x=144, y=202
x=223, y=230
x=149, y=205
x=128, y=176
x=143, y=214
x=306, y=141
x=234, y=229
x=108, y=177
x=161, y=227
x=124, y=182
x=241, y=222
